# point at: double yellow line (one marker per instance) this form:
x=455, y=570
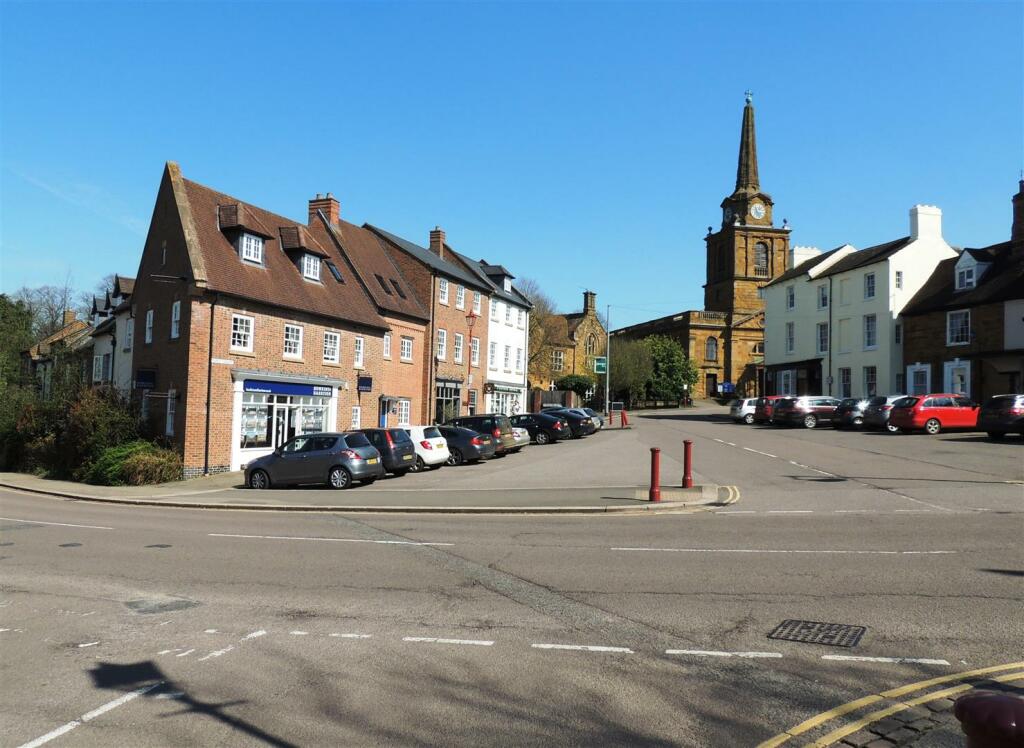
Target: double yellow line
x=895, y=693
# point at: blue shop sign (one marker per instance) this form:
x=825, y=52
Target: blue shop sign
x=287, y=388
x=364, y=384
x=728, y=387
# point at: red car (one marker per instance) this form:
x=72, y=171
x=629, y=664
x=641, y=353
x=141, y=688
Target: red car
x=933, y=413
x=765, y=407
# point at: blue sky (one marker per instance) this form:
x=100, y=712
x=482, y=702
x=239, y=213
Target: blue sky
x=581, y=144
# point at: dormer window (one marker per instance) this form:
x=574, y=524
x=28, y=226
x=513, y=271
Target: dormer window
x=252, y=248
x=964, y=279
x=311, y=267
x=508, y=285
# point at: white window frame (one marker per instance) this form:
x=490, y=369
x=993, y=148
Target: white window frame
x=149, y=325
x=404, y=352
x=175, y=320
x=249, y=334
x=508, y=315
x=457, y=348
x=476, y=303
x=442, y=291
x=295, y=341
x=966, y=313
x=869, y=391
x=310, y=267
x=359, y=350
x=519, y=360
x=964, y=279
x=845, y=381
x=912, y=371
x=357, y=417
x=790, y=337
x=97, y=368
x=332, y=351
x=252, y=248
x=387, y=345
x=494, y=309
x=557, y=360
x=869, y=285
x=822, y=327
x=898, y=281
x=442, y=345
x=172, y=408
x=492, y=356
x=520, y=318
x=790, y=298
x=474, y=351
x=864, y=331
x=404, y=412
x=129, y=334
x=508, y=358
x=823, y=296
x=460, y=297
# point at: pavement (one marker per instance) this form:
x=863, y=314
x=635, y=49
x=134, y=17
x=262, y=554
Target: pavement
x=158, y=625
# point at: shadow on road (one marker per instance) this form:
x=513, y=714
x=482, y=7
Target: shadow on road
x=1006, y=572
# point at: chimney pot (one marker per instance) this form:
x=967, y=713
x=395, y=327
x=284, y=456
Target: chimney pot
x=329, y=205
x=589, y=301
x=437, y=241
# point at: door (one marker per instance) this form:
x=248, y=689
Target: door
x=286, y=419
x=382, y=418
x=710, y=385
x=958, y=377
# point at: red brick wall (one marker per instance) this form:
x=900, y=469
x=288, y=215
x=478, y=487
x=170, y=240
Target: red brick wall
x=448, y=317
x=405, y=378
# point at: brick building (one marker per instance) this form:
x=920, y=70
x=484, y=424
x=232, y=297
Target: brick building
x=574, y=341
x=726, y=338
x=963, y=332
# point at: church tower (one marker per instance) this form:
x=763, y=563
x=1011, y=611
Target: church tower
x=748, y=250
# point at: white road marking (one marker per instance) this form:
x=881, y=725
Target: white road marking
x=88, y=716
x=58, y=524
x=855, y=511
x=216, y=653
x=210, y=631
x=299, y=633
x=713, y=653
x=88, y=644
x=476, y=642
x=912, y=511
x=253, y=635
x=170, y=695
x=775, y=550
x=737, y=511
x=790, y=511
x=730, y=444
x=352, y=636
x=583, y=648
x=719, y=441
x=758, y=451
x=899, y=660
x=186, y=652
x=331, y=540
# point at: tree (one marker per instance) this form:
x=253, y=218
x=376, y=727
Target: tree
x=99, y=291
x=16, y=322
x=631, y=369
x=578, y=383
x=671, y=368
x=47, y=305
x=545, y=322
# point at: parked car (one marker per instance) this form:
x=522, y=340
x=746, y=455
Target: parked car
x=333, y=459
x=851, y=412
x=743, y=409
x=1001, y=415
x=580, y=424
x=595, y=416
x=807, y=411
x=466, y=445
x=876, y=415
x=431, y=448
x=522, y=437
x=765, y=408
x=495, y=424
x=396, y=449
x=543, y=428
x=933, y=413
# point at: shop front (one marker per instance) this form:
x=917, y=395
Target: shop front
x=447, y=399
x=502, y=398
x=271, y=409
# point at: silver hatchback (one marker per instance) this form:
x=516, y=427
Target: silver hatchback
x=337, y=460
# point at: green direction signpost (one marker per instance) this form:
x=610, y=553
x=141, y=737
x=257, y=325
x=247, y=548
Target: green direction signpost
x=601, y=365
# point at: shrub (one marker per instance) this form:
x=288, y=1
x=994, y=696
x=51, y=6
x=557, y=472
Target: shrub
x=152, y=466
x=108, y=470
x=96, y=420
x=581, y=384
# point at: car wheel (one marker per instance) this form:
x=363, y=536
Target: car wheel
x=748, y=419
x=997, y=435
x=259, y=480
x=419, y=466
x=455, y=457
x=932, y=426
x=542, y=437
x=810, y=421
x=339, y=478
x=891, y=429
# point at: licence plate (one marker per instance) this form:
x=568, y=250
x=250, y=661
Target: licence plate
x=372, y=461
x=407, y=457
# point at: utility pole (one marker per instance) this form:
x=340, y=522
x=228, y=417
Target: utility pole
x=608, y=363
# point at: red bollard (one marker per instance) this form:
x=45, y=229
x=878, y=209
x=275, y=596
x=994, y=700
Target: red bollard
x=654, y=494
x=623, y=421
x=687, y=464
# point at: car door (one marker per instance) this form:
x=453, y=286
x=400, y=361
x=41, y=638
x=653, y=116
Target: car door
x=967, y=413
x=319, y=459
x=290, y=466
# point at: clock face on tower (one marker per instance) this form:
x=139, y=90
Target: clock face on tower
x=757, y=211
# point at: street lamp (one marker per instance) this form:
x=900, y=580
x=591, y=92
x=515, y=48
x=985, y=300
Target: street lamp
x=468, y=353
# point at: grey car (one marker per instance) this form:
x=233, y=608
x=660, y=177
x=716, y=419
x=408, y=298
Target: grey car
x=337, y=460
x=466, y=445
x=876, y=414
x=397, y=451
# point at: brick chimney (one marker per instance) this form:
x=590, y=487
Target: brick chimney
x=328, y=204
x=589, y=302
x=69, y=316
x=437, y=241
x=1017, y=231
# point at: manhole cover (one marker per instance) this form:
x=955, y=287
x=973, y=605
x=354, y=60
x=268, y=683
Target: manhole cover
x=814, y=632
x=160, y=604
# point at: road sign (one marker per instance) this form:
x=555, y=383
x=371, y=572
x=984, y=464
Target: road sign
x=600, y=364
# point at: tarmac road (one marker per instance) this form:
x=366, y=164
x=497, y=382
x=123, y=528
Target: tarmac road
x=298, y=629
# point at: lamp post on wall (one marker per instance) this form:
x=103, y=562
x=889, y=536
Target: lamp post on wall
x=468, y=353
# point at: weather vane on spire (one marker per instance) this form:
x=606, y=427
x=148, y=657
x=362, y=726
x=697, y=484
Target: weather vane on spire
x=749, y=95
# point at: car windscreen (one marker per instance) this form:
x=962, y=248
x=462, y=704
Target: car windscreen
x=431, y=432
x=877, y=401
x=356, y=440
x=399, y=436
x=905, y=402
x=848, y=402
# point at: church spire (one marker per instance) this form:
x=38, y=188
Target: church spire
x=747, y=182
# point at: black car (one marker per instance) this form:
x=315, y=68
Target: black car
x=466, y=445
x=395, y=447
x=580, y=424
x=851, y=412
x=334, y=459
x=544, y=428
x=1001, y=415
x=495, y=424
x=876, y=415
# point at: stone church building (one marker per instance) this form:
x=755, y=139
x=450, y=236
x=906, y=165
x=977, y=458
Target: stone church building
x=726, y=338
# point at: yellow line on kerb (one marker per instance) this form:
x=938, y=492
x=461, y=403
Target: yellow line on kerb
x=852, y=706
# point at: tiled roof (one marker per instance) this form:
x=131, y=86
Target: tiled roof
x=1002, y=281
x=66, y=335
x=103, y=327
x=480, y=270
x=278, y=281
x=804, y=267
x=382, y=278
x=867, y=256
x=123, y=286
x=431, y=260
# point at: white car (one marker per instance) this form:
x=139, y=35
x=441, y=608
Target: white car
x=522, y=437
x=431, y=447
x=743, y=410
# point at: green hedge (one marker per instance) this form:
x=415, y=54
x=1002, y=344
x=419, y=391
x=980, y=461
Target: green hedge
x=108, y=470
x=155, y=466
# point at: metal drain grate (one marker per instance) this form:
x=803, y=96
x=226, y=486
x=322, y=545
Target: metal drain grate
x=813, y=632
